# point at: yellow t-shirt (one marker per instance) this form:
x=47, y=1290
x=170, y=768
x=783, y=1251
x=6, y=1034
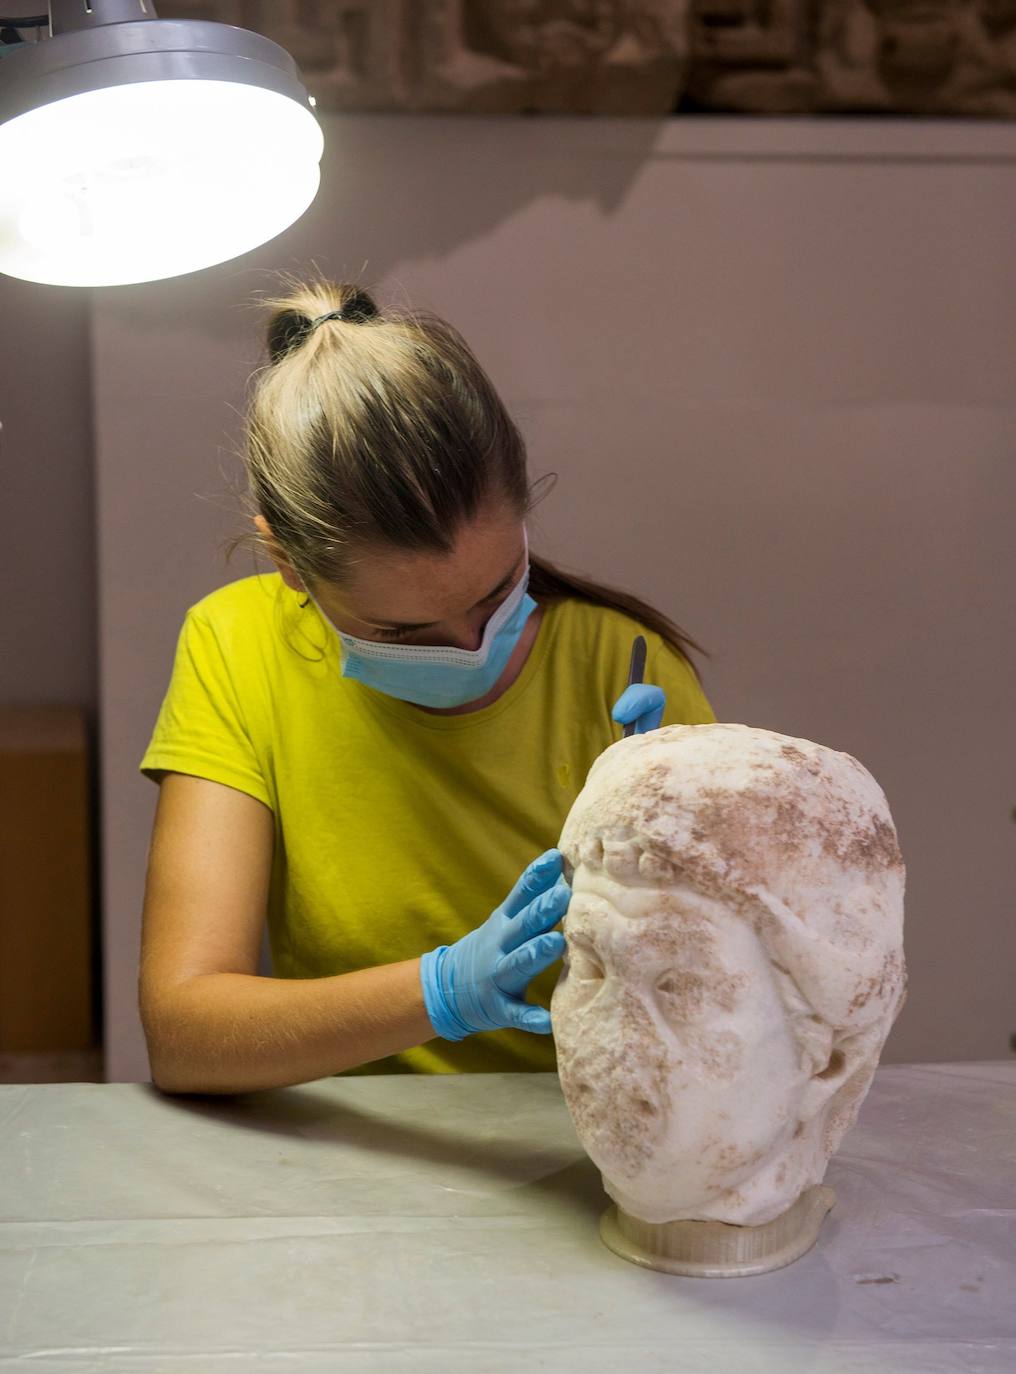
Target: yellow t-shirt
x=397, y=830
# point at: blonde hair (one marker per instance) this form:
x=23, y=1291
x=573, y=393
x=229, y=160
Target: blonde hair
x=372, y=426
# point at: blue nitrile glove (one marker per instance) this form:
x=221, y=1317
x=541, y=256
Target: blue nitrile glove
x=642, y=703
x=479, y=983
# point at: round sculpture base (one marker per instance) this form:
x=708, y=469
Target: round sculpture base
x=716, y=1249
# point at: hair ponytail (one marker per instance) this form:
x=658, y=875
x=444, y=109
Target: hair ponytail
x=548, y=582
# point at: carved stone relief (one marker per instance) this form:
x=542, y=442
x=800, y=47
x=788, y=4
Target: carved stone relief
x=642, y=57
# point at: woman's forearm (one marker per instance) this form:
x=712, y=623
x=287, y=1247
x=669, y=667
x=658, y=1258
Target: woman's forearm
x=237, y=1032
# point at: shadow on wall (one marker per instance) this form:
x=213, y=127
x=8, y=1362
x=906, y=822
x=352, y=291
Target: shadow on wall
x=390, y=165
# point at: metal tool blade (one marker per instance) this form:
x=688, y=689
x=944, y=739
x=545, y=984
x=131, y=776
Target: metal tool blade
x=636, y=670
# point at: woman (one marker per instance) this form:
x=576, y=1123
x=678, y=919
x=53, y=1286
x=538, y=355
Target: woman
x=369, y=747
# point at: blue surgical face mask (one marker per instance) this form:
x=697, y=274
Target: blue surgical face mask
x=438, y=674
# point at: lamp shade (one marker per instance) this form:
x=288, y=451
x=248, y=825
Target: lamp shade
x=134, y=151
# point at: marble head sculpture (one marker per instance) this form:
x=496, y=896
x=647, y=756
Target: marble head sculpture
x=734, y=964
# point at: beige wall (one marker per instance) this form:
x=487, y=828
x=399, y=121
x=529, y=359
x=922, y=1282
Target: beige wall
x=47, y=546
x=773, y=363
x=48, y=631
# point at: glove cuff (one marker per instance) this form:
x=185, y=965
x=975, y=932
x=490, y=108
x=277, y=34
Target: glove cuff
x=442, y=1017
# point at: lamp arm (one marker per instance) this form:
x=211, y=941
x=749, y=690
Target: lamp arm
x=73, y=14
x=66, y=15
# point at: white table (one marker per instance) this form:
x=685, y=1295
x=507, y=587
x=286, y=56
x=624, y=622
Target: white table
x=435, y=1224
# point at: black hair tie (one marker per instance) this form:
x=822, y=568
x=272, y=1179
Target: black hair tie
x=332, y=315
x=291, y=328
x=358, y=308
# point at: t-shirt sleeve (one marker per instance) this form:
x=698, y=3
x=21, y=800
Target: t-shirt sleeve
x=686, y=701
x=202, y=727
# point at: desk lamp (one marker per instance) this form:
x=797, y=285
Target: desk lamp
x=134, y=148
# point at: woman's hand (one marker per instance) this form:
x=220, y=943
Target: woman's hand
x=642, y=703
x=479, y=983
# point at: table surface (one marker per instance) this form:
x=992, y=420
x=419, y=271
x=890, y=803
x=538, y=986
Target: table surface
x=449, y=1223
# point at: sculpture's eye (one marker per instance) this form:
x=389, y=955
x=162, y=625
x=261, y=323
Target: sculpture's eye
x=683, y=991
x=584, y=964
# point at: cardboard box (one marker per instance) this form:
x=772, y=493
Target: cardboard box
x=46, y=926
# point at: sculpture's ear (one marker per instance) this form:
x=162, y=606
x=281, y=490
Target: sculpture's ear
x=824, y=1084
x=851, y=1056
